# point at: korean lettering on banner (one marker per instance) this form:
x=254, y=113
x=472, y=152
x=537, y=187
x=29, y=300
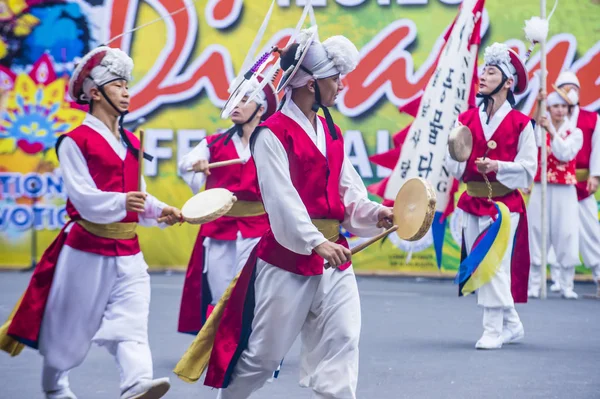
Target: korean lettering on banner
x=445, y=97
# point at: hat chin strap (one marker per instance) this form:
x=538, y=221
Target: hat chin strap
x=122, y=114
x=237, y=128
x=318, y=104
x=487, y=98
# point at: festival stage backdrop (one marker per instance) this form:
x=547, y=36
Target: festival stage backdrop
x=183, y=66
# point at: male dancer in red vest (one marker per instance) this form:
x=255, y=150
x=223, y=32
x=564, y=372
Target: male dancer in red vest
x=92, y=284
x=509, y=166
x=588, y=173
x=309, y=188
x=563, y=143
x=223, y=246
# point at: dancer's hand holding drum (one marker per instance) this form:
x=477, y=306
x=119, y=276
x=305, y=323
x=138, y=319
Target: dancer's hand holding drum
x=205, y=206
x=414, y=209
x=171, y=215
x=412, y=216
x=385, y=217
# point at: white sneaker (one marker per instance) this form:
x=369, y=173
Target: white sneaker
x=65, y=393
x=533, y=294
x=148, y=389
x=510, y=335
x=555, y=287
x=569, y=294
x=489, y=342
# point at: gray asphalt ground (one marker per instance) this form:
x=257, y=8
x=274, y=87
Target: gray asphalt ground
x=417, y=341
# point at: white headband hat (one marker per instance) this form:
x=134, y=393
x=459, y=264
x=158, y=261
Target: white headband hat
x=509, y=62
x=554, y=99
x=567, y=77
x=97, y=68
x=335, y=56
x=497, y=55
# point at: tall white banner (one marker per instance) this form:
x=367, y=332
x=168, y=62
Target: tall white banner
x=445, y=97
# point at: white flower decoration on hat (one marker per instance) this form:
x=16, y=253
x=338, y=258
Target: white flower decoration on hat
x=343, y=53
x=118, y=63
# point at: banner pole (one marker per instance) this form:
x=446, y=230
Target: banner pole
x=544, y=166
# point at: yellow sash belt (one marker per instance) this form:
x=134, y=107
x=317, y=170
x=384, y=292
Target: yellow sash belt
x=246, y=209
x=330, y=228
x=582, y=174
x=116, y=231
x=479, y=189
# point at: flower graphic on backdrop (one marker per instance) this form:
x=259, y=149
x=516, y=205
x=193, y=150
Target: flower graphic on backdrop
x=16, y=21
x=38, y=110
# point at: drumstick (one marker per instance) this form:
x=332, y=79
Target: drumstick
x=491, y=145
x=141, y=160
x=365, y=244
x=221, y=163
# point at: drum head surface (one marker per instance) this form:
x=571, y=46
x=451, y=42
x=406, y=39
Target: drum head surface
x=460, y=143
x=414, y=209
x=208, y=205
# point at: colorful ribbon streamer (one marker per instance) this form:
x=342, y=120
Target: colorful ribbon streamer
x=485, y=258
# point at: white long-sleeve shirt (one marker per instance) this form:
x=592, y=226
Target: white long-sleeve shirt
x=94, y=205
x=200, y=152
x=595, y=156
x=564, y=148
x=516, y=174
x=289, y=219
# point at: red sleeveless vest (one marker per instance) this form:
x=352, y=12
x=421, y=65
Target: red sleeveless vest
x=507, y=139
x=242, y=181
x=111, y=174
x=316, y=178
x=587, y=123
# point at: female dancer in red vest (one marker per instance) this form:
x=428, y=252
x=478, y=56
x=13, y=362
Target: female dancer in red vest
x=223, y=246
x=563, y=143
x=510, y=166
x=309, y=188
x=92, y=284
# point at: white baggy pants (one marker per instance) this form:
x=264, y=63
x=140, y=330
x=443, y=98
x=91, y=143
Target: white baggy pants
x=496, y=296
x=589, y=233
x=497, y=293
x=562, y=234
x=324, y=310
x=98, y=299
x=223, y=260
